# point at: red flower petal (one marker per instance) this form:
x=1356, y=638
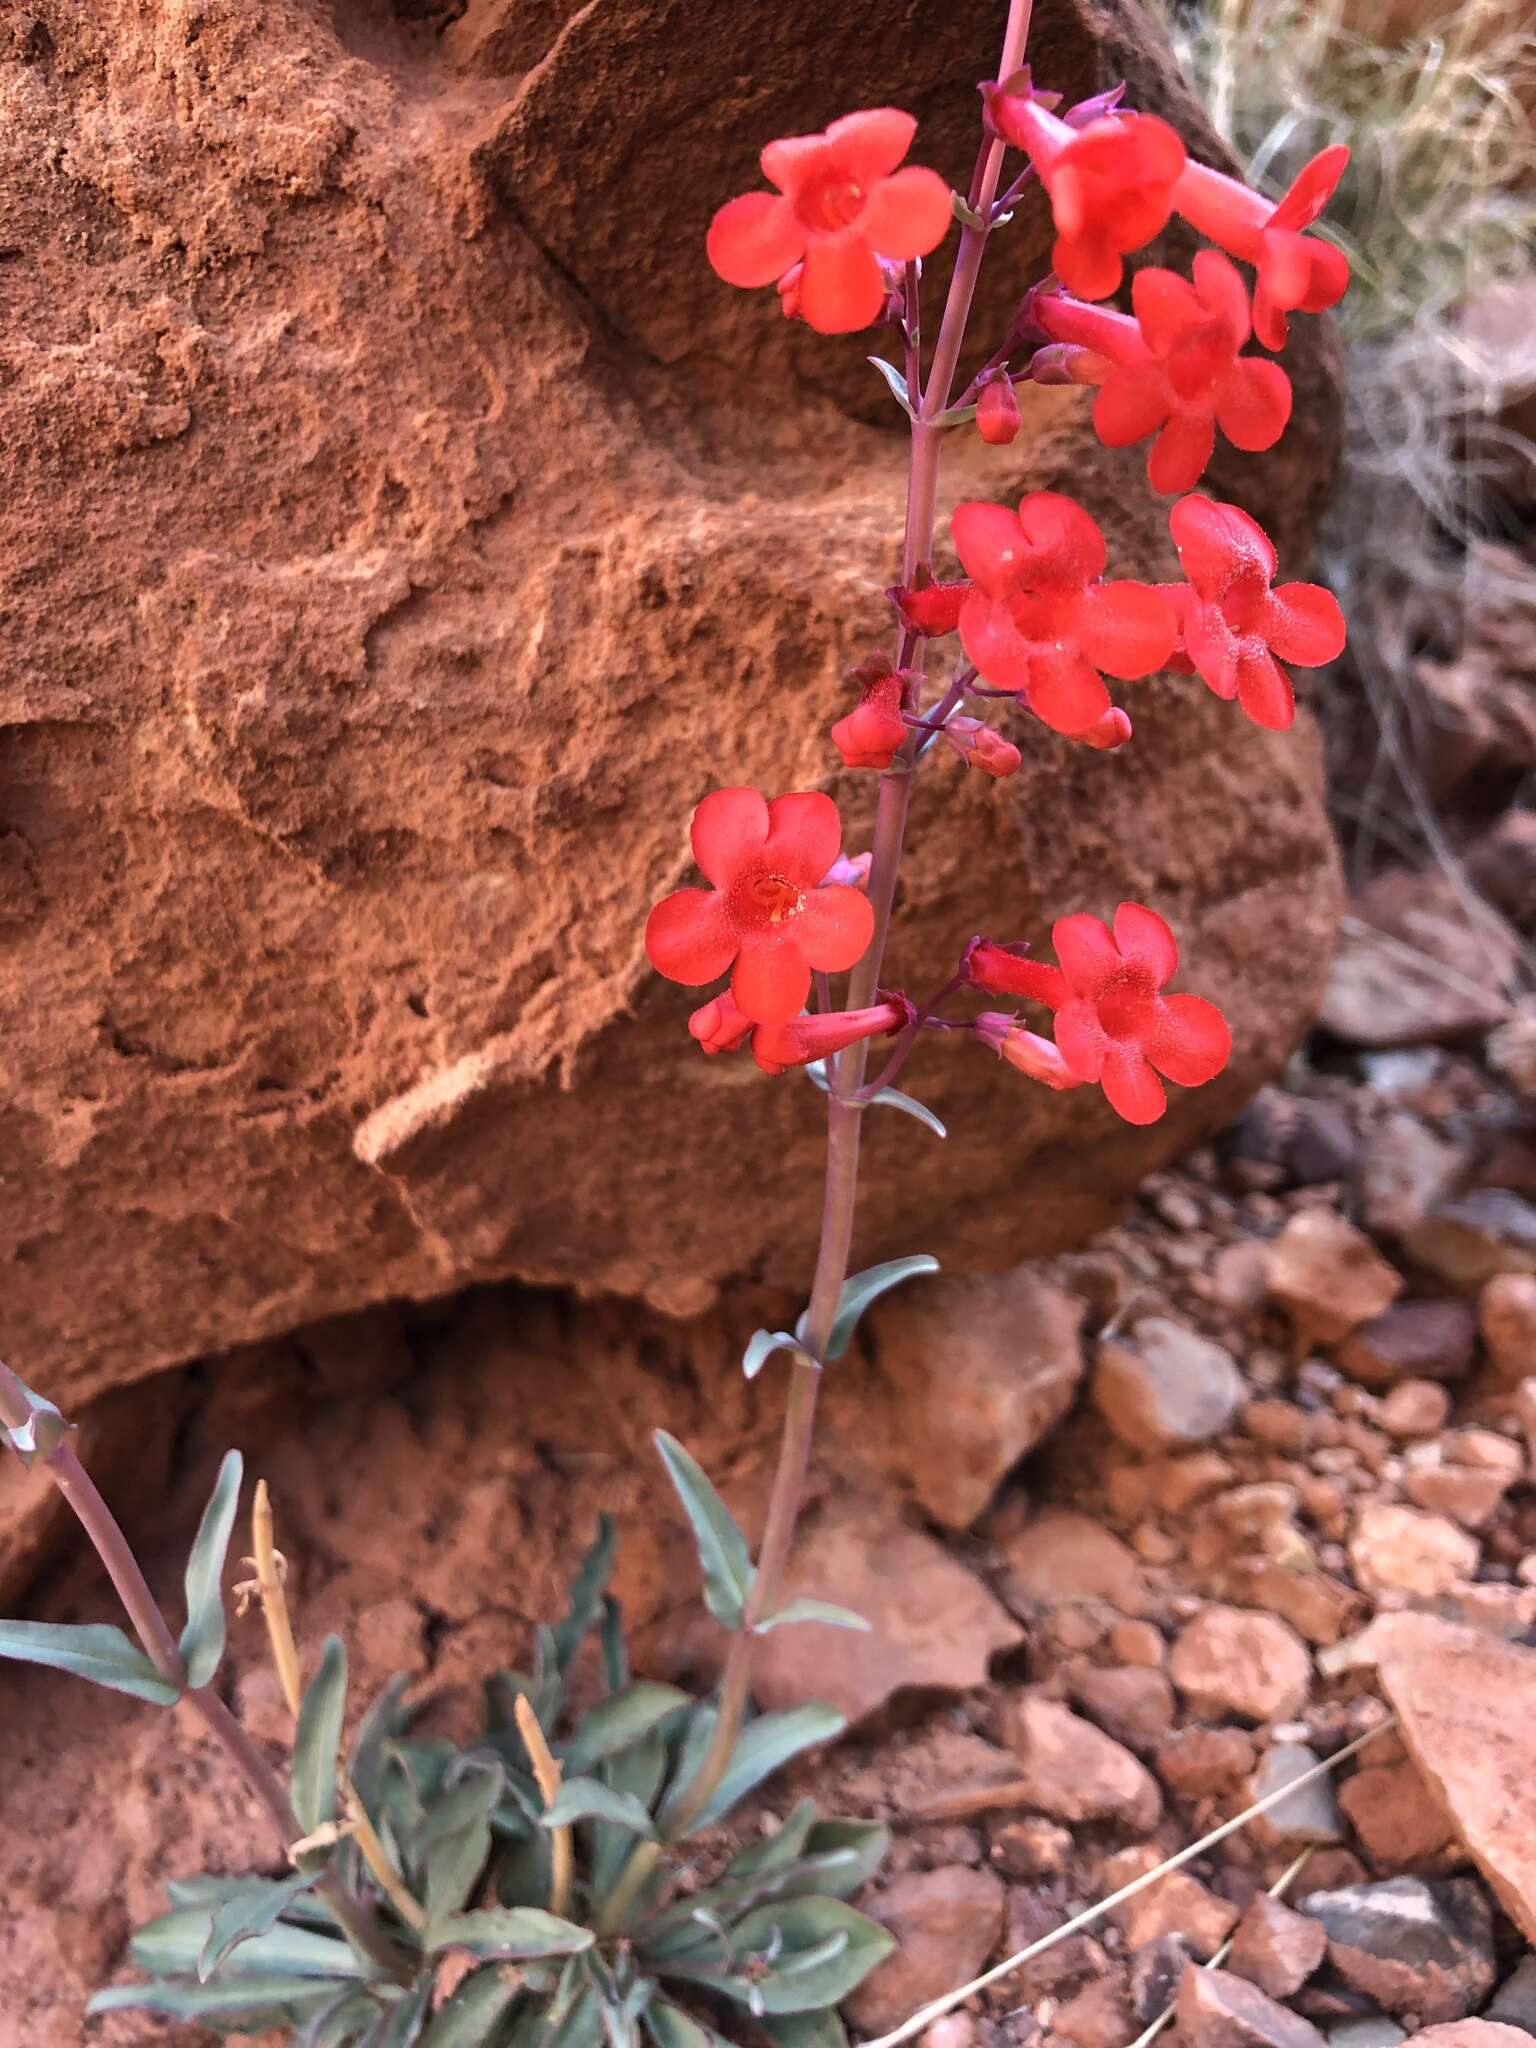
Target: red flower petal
x=1065, y=691
x=772, y=980
x=1212, y=646
x=1134, y=1091
x=991, y=545
x=1066, y=547
x=1128, y=629
x=1191, y=1044
x=1145, y=939
x=870, y=144
x=1216, y=543
x=688, y=937
x=1181, y=451
x=1081, y=1040
x=907, y=214
x=834, y=928
x=1269, y=323
x=1285, y=265
x=1087, y=264
x=753, y=240
x=804, y=836
x=1089, y=956
x=1330, y=278
x=1264, y=691
x=1222, y=292
x=1303, y=623
x=841, y=288
x=727, y=826
x=992, y=640
x=1312, y=188
x=1133, y=402
x=1253, y=403
x=1166, y=306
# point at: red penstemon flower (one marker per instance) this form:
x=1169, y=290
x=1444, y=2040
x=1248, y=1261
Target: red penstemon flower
x=767, y=916
x=720, y=1025
x=841, y=205
x=1111, y=183
x=997, y=413
x=1296, y=272
x=980, y=747
x=803, y=1039
x=1234, y=629
x=1176, y=370
x=1040, y=622
x=1114, y=1025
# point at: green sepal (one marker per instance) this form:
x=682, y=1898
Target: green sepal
x=94, y=1650
x=317, y=1741
x=723, y=1554
x=202, y=1640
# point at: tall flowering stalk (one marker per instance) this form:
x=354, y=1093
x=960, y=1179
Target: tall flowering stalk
x=843, y=236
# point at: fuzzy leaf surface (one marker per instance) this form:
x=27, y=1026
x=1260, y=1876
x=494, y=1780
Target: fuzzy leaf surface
x=202, y=1640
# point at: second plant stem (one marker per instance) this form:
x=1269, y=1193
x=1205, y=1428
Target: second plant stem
x=844, y=1111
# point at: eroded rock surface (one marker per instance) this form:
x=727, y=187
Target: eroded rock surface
x=401, y=529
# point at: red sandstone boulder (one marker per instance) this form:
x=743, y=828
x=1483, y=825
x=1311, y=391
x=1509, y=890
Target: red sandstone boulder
x=400, y=530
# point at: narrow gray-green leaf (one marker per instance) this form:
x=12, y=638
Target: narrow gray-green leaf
x=723, y=1553
x=202, y=1640
x=172, y=1945
x=822, y=2029
x=820, y=1950
x=765, y=1745
x=624, y=1717
x=864, y=1842
x=94, y=1650
x=402, y=2028
x=813, y=1610
x=268, y=2000
x=860, y=1289
x=893, y=1098
x=587, y=1590
x=318, y=1739
x=453, y=1844
x=255, y=1909
x=896, y=381
x=590, y=1799
x=471, y=2016
x=671, y=2027
x=762, y=1345
x=382, y=1722
x=513, y=1933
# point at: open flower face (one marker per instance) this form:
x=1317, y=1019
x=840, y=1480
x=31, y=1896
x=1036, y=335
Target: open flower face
x=1236, y=629
x=841, y=205
x=767, y=920
x=1038, y=619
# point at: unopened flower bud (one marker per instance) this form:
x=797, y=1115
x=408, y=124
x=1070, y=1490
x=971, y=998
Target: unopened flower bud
x=997, y=413
x=1111, y=731
x=931, y=609
x=849, y=871
x=870, y=734
x=1026, y=1050
x=1063, y=362
x=980, y=747
x=720, y=1025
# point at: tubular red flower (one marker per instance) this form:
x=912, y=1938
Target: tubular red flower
x=1026, y=1050
x=1114, y=1025
x=997, y=413
x=841, y=204
x=1111, y=183
x=803, y=1039
x=720, y=1025
x=871, y=733
x=1296, y=272
x=1235, y=629
x=931, y=609
x=766, y=917
x=1177, y=370
x=1041, y=623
